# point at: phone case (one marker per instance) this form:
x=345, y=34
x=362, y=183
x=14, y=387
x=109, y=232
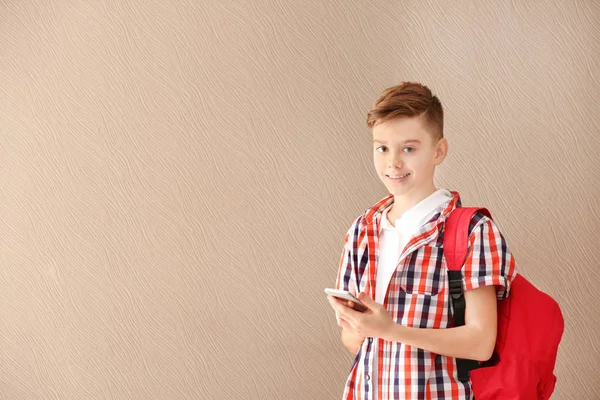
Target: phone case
x=345, y=295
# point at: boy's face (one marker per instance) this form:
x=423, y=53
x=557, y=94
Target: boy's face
x=405, y=146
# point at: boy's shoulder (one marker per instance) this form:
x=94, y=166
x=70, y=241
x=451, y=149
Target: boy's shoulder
x=373, y=210
x=481, y=223
x=356, y=226
x=478, y=219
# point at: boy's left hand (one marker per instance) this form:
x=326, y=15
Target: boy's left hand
x=375, y=322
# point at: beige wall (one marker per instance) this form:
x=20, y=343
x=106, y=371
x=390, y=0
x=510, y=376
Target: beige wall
x=170, y=169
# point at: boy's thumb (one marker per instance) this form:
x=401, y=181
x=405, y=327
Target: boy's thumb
x=362, y=296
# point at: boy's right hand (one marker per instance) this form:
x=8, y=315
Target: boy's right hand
x=350, y=338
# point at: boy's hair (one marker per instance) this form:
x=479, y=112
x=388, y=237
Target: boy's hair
x=409, y=99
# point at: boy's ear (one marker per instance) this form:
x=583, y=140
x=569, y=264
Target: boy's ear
x=441, y=150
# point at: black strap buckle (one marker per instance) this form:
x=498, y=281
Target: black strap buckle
x=455, y=282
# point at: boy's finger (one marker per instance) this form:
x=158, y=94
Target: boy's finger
x=344, y=324
x=334, y=302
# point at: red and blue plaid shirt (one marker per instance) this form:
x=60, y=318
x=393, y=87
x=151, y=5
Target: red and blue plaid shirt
x=418, y=297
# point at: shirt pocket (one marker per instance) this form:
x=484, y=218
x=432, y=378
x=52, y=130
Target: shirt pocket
x=423, y=271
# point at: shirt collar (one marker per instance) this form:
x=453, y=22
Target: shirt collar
x=417, y=215
x=373, y=214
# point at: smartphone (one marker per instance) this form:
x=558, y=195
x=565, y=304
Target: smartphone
x=346, y=295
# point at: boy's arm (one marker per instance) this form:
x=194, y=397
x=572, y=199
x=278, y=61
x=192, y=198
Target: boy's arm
x=345, y=281
x=475, y=340
x=488, y=272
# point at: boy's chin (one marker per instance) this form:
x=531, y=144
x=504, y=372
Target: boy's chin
x=398, y=191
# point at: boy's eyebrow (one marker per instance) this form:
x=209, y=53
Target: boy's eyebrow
x=404, y=142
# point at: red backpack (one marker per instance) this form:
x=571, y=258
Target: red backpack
x=530, y=327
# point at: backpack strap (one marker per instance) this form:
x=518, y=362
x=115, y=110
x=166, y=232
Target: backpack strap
x=456, y=242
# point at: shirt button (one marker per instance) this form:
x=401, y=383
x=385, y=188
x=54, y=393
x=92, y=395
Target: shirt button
x=368, y=377
x=370, y=340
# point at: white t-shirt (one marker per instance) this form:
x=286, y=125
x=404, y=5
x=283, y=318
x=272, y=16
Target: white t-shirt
x=393, y=239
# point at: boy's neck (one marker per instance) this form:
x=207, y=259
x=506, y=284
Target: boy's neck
x=405, y=202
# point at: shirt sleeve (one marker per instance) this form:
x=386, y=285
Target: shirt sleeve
x=489, y=260
x=346, y=278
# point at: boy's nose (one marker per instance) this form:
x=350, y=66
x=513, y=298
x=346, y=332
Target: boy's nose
x=395, y=163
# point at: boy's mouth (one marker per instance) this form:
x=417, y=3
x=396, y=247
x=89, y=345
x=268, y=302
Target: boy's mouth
x=398, y=178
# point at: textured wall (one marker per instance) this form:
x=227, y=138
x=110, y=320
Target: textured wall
x=177, y=177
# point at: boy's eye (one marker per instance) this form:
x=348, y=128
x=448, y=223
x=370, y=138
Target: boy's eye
x=412, y=149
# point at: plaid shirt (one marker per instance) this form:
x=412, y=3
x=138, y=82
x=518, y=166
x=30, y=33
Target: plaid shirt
x=418, y=297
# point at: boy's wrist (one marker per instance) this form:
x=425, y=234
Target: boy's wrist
x=393, y=332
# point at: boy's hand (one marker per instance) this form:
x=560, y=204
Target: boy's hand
x=334, y=300
x=375, y=322
x=348, y=331
x=351, y=339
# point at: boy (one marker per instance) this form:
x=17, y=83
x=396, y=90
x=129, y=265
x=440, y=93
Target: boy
x=393, y=260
